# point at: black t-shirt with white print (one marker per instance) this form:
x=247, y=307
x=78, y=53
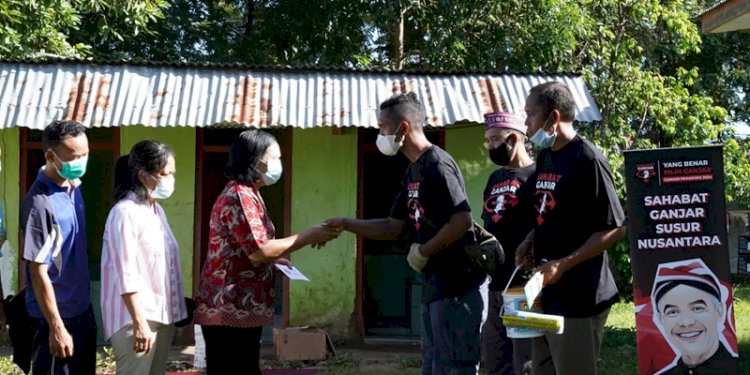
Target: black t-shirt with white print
x=432, y=190
x=574, y=197
x=503, y=217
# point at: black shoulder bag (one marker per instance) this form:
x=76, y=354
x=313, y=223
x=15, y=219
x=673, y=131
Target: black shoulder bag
x=484, y=252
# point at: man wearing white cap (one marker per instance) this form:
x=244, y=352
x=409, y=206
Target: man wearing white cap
x=505, y=136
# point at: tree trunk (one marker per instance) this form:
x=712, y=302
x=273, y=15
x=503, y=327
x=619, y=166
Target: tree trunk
x=397, y=38
x=250, y=19
x=400, y=45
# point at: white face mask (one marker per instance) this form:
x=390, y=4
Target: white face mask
x=273, y=171
x=541, y=138
x=387, y=144
x=164, y=188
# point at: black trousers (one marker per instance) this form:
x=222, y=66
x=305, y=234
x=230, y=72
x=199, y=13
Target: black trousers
x=83, y=330
x=229, y=349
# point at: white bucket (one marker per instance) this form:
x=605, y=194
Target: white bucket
x=514, y=299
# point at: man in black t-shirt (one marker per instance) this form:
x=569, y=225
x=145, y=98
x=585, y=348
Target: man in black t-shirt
x=432, y=206
x=505, y=136
x=578, y=216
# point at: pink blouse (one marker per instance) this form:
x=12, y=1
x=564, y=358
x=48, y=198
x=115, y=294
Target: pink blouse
x=141, y=255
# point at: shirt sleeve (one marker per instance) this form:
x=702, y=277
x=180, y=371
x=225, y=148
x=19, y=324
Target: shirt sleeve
x=250, y=231
x=121, y=239
x=451, y=190
x=41, y=236
x=607, y=210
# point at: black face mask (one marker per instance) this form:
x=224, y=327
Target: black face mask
x=500, y=155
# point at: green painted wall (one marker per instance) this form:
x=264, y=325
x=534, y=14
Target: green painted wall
x=466, y=145
x=9, y=201
x=180, y=207
x=324, y=184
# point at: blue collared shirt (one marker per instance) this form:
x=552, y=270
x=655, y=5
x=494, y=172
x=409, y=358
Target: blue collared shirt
x=53, y=224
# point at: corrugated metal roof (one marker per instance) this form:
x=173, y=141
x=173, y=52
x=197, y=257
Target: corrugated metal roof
x=97, y=95
x=712, y=7
x=726, y=16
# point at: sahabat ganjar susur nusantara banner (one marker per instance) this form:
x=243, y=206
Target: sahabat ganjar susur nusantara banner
x=678, y=245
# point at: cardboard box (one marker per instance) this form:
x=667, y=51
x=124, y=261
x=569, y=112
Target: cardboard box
x=302, y=344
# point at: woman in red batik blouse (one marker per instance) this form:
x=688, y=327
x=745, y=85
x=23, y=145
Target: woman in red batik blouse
x=235, y=297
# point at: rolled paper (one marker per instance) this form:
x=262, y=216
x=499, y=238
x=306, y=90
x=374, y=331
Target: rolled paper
x=538, y=321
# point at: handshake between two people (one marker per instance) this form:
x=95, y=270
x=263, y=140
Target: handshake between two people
x=381, y=229
x=320, y=234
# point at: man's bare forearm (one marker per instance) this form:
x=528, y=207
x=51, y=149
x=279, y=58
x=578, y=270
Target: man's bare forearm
x=45, y=294
x=377, y=229
x=595, y=245
x=451, y=232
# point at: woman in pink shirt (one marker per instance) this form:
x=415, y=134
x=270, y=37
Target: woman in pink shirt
x=142, y=293
x=235, y=297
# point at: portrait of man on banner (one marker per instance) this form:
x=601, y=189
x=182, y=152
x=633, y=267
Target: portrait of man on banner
x=692, y=310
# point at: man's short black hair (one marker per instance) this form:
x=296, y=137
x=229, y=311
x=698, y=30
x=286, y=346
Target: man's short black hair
x=405, y=106
x=554, y=95
x=58, y=130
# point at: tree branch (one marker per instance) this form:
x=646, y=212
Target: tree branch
x=250, y=19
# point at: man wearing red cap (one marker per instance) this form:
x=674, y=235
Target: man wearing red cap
x=690, y=308
x=505, y=136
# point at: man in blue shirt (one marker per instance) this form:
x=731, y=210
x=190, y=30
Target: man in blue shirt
x=54, y=246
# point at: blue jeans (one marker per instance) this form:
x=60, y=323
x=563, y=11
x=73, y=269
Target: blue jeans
x=83, y=330
x=450, y=335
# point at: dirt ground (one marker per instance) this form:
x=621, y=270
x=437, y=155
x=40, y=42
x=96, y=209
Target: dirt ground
x=359, y=358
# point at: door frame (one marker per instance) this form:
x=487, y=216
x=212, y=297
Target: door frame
x=359, y=299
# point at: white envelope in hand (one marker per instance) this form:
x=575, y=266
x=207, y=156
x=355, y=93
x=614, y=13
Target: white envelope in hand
x=532, y=288
x=291, y=272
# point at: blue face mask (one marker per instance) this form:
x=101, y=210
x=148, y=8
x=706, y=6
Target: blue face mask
x=73, y=169
x=541, y=138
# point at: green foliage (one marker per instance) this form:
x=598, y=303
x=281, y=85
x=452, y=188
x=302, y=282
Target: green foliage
x=618, y=353
x=34, y=28
x=29, y=28
x=105, y=360
x=737, y=172
x=7, y=366
x=264, y=32
x=742, y=320
x=619, y=260
x=106, y=23
x=411, y=362
x=656, y=79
